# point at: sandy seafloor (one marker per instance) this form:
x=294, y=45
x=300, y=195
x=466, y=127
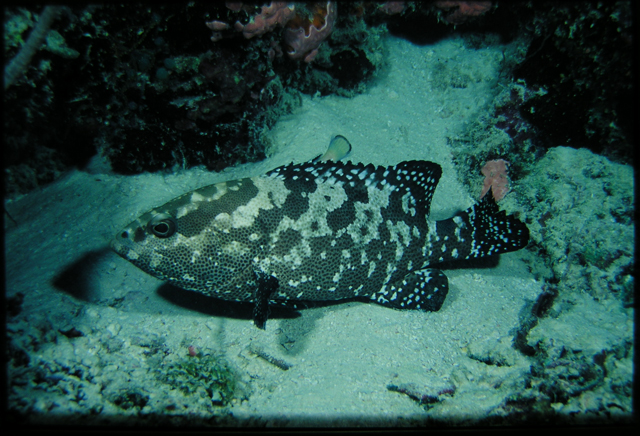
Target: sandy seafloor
x=131, y=328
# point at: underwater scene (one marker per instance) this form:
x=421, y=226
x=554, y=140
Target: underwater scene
x=319, y=214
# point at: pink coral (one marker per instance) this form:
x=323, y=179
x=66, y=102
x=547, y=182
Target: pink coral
x=276, y=13
x=392, y=7
x=464, y=9
x=234, y=6
x=270, y=16
x=304, y=36
x=217, y=25
x=495, y=177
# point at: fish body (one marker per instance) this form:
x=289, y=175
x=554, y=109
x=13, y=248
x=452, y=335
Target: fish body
x=317, y=231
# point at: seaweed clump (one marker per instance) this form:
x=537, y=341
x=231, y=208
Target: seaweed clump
x=203, y=374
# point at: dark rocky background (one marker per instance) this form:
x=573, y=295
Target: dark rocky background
x=143, y=84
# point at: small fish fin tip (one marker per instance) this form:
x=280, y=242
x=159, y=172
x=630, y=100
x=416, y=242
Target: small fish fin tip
x=339, y=148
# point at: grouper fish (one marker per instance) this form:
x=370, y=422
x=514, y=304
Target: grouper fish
x=317, y=231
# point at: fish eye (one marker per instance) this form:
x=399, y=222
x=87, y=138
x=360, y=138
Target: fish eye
x=162, y=225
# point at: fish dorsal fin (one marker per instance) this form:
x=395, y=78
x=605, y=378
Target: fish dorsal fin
x=417, y=179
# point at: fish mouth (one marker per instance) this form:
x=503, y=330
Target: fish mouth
x=119, y=247
x=124, y=242
x=124, y=247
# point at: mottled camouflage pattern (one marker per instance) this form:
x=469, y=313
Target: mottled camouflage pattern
x=317, y=231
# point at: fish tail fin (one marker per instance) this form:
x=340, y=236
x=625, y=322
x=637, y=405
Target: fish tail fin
x=495, y=231
x=481, y=230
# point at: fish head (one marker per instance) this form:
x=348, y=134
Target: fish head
x=191, y=240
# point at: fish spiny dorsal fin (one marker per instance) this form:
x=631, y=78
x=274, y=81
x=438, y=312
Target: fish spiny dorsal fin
x=414, y=181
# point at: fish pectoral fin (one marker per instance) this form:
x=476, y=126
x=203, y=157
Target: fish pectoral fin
x=339, y=148
x=424, y=289
x=266, y=286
